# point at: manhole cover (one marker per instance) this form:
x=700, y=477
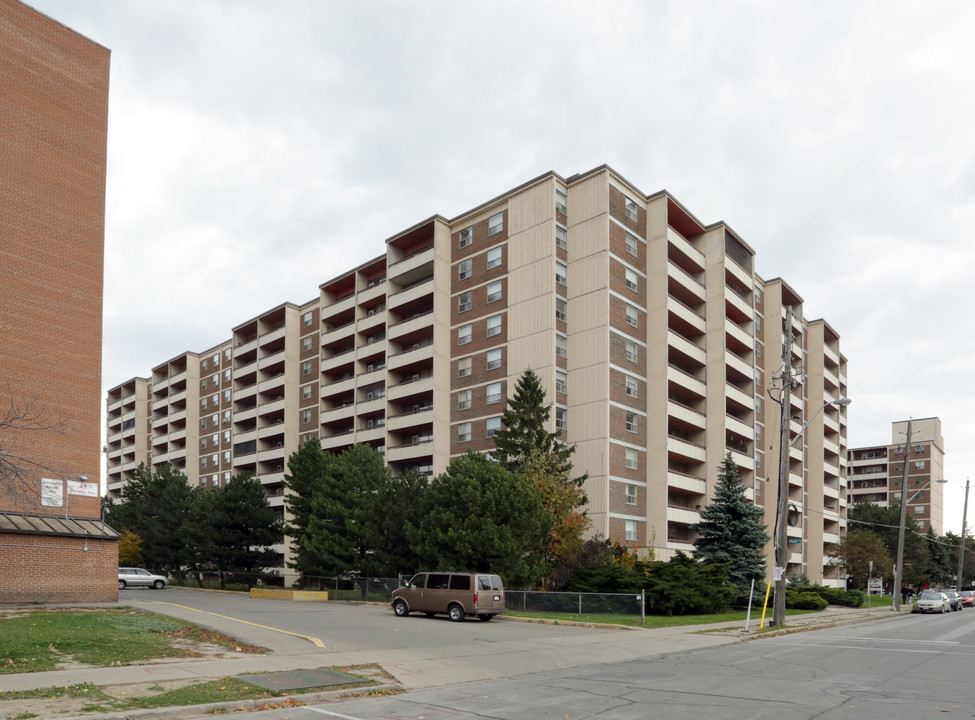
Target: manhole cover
x=298, y=679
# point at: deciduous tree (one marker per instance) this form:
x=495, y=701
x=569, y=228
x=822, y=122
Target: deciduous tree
x=855, y=552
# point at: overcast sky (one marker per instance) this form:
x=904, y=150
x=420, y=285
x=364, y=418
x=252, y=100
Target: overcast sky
x=257, y=149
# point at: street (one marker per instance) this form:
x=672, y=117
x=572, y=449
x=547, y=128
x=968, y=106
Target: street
x=900, y=667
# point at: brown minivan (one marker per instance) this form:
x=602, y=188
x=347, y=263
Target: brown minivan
x=456, y=594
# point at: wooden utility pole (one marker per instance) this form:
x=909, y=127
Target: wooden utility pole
x=961, y=550
x=899, y=568
x=785, y=447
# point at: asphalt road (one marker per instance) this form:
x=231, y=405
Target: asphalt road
x=899, y=667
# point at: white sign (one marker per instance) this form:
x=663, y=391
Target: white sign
x=777, y=573
x=86, y=489
x=51, y=492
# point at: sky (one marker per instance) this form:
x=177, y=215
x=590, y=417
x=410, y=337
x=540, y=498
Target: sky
x=258, y=149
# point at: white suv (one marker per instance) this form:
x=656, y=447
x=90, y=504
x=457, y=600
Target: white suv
x=137, y=577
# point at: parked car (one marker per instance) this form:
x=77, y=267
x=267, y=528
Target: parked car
x=956, y=603
x=137, y=577
x=932, y=601
x=456, y=594
x=967, y=598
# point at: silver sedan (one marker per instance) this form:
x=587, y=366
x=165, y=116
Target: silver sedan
x=932, y=601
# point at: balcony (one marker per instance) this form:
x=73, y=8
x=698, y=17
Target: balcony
x=690, y=417
x=410, y=419
x=688, y=382
x=682, y=246
x=685, y=315
x=411, y=263
x=336, y=335
x=408, y=388
x=410, y=294
x=338, y=307
x=410, y=325
x=745, y=312
x=686, y=347
x=370, y=349
x=686, y=482
x=685, y=450
x=368, y=294
x=735, y=362
x=417, y=353
x=684, y=516
x=409, y=452
x=339, y=387
x=739, y=335
x=691, y=291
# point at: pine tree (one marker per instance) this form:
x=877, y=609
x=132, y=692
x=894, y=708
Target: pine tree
x=308, y=472
x=939, y=559
x=731, y=530
x=523, y=434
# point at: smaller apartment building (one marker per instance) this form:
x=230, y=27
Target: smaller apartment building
x=877, y=472
x=645, y=325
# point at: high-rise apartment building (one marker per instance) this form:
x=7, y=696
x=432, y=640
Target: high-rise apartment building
x=53, y=133
x=877, y=472
x=645, y=326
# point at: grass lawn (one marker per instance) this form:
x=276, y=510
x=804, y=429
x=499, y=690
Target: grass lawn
x=38, y=640
x=654, y=621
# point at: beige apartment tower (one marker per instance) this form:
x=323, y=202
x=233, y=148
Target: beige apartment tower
x=877, y=472
x=644, y=324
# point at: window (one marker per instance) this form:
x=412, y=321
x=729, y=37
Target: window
x=203, y=423
x=494, y=393
x=632, y=386
x=630, y=531
x=494, y=291
x=306, y=392
x=226, y=375
x=561, y=345
x=203, y=382
x=306, y=367
x=466, y=237
x=632, y=351
x=919, y=465
x=561, y=381
x=203, y=444
x=759, y=403
x=464, y=269
x=204, y=403
x=631, y=494
x=561, y=203
x=214, y=420
x=306, y=319
x=632, y=316
x=492, y=426
x=632, y=423
x=561, y=418
x=203, y=366
x=758, y=350
x=494, y=257
x=758, y=323
x=632, y=459
x=758, y=458
x=306, y=416
x=632, y=280
x=226, y=354
x=561, y=271
x=306, y=343
x=494, y=325
x=226, y=416
x=464, y=432
x=226, y=396
x=560, y=309
x=226, y=456
x=493, y=359
x=561, y=237
x=632, y=213
x=464, y=334
x=464, y=400
x=203, y=462
x=495, y=224
x=632, y=245
x=464, y=302
x=464, y=367
x=226, y=437
x=216, y=359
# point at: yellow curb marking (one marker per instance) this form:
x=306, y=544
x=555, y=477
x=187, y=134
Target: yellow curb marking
x=315, y=640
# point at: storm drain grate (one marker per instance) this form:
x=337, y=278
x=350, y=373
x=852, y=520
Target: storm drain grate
x=298, y=679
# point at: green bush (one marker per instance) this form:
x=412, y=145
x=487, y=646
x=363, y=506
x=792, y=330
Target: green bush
x=835, y=596
x=804, y=600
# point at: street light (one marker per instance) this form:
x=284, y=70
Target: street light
x=782, y=515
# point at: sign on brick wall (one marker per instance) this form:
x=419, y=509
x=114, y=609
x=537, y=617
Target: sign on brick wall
x=51, y=492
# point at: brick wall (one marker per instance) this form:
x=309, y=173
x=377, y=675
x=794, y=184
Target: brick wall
x=41, y=568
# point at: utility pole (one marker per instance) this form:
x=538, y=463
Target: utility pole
x=785, y=447
x=961, y=550
x=899, y=568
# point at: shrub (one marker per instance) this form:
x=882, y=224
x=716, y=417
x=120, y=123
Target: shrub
x=835, y=596
x=804, y=600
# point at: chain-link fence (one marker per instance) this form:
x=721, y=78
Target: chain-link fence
x=576, y=603
x=349, y=586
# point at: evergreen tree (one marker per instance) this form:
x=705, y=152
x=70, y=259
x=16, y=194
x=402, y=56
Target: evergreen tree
x=345, y=527
x=307, y=476
x=731, y=531
x=939, y=559
x=158, y=507
x=399, y=505
x=523, y=432
x=478, y=516
x=237, y=528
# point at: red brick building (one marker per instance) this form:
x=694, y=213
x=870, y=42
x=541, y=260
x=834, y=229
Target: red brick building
x=53, y=130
